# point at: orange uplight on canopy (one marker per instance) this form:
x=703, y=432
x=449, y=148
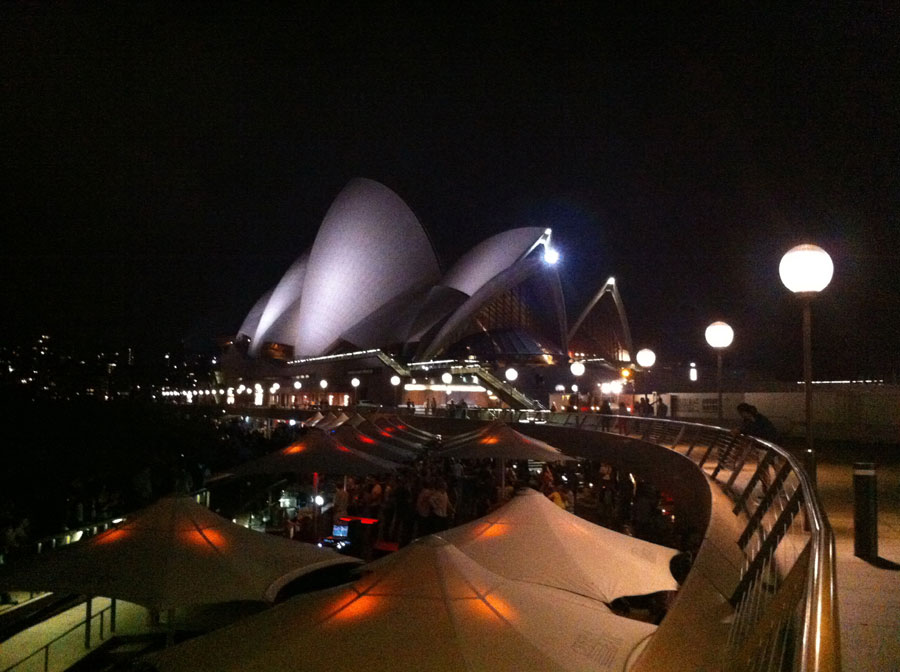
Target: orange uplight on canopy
x=500, y=441
x=294, y=448
x=425, y=607
x=174, y=553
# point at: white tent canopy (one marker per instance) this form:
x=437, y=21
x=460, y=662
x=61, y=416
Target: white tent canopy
x=500, y=441
x=313, y=420
x=531, y=539
x=334, y=421
x=427, y=607
x=175, y=553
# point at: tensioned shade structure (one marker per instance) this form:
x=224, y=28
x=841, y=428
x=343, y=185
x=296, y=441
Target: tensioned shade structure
x=426, y=607
x=375, y=432
x=500, y=441
x=396, y=421
x=316, y=451
x=174, y=553
x=336, y=421
x=313, y=420
x=401, y=430
x=457, y=439
x=531, y=539
x=351, y=437
x=356, y=420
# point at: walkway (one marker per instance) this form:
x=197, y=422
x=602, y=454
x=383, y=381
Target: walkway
x=869, y=596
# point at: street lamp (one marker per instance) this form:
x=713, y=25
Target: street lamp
x=806, y=270
x=511, y=374
x=577, y=368
x=395, y=381
x=355, y=383
x=719, y=336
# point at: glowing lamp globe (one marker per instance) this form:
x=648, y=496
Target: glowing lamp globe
x=577, y=368
x=511, y=374
x=323, y=383
x=719, y=335
x=551, y=255
x=297, y=384
x=806, y=269
x=355, y=382
x=395, y=380
x=646, y=358
x=446, y=378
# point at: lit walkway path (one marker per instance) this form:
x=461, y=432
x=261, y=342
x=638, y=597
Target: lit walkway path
x=130, y=619
x=869, y=597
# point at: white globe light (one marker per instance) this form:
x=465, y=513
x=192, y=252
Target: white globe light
x=551, y=256
x=646, y=358
x=806, y=269
x=323, y=383
x=319, y=500
x=574, y=388
x=446, y=378
x=355, y=382
x=297, y=384
x=276, y=386
x=605, y=388
x=616, y=387
x=719, y=335
x=577, y=368
x=511, y=374
x=395, y=380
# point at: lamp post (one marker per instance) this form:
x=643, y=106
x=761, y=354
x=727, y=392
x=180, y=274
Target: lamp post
x=646, y=358
x=719, y=336
x=806, y=270
x=355, y=383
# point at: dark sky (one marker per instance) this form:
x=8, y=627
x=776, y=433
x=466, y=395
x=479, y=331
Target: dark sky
x=161, y=171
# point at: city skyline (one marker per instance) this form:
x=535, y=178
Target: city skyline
x=164, y=169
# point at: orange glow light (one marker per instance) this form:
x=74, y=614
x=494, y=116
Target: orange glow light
x=494, y=530
x=490, y=440
x=366, y=439
x=359, y=607
x=295, y=448
x=501, y=607
x=205, y=538
x=110, y=536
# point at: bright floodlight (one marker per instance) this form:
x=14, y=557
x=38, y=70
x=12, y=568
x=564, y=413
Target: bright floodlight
x=323, y=383
x=605, y=388
x=276, y=387
x=297, y=384
x=395, y=380
x=577, y=368
x=355, y=382
x=646, y=358
x=446, y=378
x=806, y=269
x=719, y=335
x=511, y=374
x=319, y=500
x=551, y=255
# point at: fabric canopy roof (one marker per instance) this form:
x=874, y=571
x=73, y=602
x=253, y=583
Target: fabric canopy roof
x=316, y=451
x=350, y=436
x=375, y=432
x=531, y=539
x=335, y=421
x=499, y=440
x=175, y=553
x=313, y=420
x=426, y=607
x=397, y=421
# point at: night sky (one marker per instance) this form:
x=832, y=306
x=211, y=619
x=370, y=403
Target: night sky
x=161, y=170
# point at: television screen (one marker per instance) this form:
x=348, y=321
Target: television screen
x=339, y=531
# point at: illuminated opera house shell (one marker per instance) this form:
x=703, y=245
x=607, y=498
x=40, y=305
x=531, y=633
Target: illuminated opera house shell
x=371, y=280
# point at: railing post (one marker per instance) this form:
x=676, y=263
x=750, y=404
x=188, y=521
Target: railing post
x=112, y=615
x=47, y=658
x=87, y=623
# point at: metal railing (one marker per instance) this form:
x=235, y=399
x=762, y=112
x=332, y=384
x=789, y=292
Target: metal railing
x=40, y=658
x=785, y=604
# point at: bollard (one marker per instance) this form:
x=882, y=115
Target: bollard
x=865, y=511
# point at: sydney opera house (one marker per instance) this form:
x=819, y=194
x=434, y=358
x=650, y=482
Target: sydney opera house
x=367, y=313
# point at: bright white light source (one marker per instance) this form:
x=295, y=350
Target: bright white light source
x=577, y=368
x=560, y=388
x=551, y=255
x=355, y=382
x=446, y=378
x=605, y=388
x=692, y=374
x=292, y=422
x=319, y=500
x=395, y=380
x=574, y=388
x=297, y=384
x=616, y=387
x=511, y=374
x=646, y=358
x=323, y=383
x=276, y=387
x=719, y=335
x=806, y=269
